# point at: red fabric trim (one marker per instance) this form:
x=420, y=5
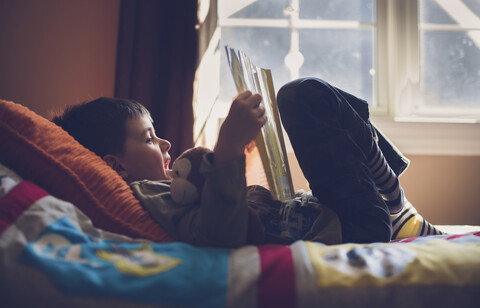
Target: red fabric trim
x=407, y=240
x=276, y=286
x=17, y=201
x=455, y=236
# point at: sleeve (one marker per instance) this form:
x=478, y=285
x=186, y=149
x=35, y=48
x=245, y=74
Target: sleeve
x=221, y=217
x=175, y=218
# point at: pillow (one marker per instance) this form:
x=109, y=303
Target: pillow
x=42, y=152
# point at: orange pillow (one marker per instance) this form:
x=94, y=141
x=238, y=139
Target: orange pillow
x=42, y=152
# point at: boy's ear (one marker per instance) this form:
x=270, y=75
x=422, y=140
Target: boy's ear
x=114, y=162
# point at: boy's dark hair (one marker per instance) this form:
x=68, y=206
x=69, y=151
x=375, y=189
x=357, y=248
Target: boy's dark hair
x=100, y=125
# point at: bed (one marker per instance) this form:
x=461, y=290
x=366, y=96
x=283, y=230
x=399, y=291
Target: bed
x=73, y=235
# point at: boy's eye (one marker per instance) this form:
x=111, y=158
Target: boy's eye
x=150, y=140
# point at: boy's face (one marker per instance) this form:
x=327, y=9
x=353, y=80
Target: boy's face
x=145, y=155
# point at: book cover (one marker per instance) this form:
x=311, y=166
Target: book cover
x=270, y=142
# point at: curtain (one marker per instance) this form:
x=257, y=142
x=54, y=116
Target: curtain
x=156, y=61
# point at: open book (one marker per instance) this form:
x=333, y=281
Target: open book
x=270, y=142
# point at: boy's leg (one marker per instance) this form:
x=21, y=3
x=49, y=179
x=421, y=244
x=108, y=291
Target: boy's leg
x=406, y=221
x=384, y=177
x=329, y=139
x=386, y=180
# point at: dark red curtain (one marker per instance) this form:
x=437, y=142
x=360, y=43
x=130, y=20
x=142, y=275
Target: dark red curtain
x=156, y=61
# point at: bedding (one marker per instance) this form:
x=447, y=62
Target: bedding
x=52, y=256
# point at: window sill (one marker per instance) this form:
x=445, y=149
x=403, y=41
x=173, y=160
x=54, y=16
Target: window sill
x=431, y=138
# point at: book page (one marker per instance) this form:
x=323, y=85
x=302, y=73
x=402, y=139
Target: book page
x=270, y=142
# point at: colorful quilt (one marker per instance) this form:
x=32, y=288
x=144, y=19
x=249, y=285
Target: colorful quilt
x=52, y=256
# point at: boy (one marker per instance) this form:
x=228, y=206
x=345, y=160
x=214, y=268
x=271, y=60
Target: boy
x=329, y=137
x=121, y=132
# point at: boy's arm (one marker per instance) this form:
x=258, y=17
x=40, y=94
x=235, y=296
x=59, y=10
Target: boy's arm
x=223, y=215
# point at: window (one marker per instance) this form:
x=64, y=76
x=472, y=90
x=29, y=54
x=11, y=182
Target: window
x=417, y=63
x=434, y=47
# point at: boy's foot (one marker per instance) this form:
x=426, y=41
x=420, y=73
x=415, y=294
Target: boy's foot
x=408, y=223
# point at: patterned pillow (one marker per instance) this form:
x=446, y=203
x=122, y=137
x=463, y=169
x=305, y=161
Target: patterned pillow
x=40, y=151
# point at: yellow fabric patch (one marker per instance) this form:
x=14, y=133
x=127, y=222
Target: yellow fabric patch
x=141, y=262
x=437, y=261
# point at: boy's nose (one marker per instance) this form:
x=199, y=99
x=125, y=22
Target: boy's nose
x=165, y=145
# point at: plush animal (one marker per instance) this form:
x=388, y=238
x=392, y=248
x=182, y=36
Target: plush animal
x=187, y=182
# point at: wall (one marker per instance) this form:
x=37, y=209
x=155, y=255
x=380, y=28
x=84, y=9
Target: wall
x=445, y=189
x=57, y=52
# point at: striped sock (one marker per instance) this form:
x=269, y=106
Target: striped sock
x=408, y=223
x=385, y=179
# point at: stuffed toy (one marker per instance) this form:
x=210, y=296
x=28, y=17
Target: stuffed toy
x=187, y=182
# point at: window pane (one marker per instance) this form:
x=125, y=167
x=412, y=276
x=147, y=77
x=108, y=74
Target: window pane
x=473, y=5
x=431, y=12
x=342, y=57
x=263, y=9
x=266, y=48
x=453, y=13
x=356, y=10
x=450, y=60
x=450, y=68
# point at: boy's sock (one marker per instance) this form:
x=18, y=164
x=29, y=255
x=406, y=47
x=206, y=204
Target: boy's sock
x=385, y=179
x=408, y=223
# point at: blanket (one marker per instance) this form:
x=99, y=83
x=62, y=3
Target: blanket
x=52, y=256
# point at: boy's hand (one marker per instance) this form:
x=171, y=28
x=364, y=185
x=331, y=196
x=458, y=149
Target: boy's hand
x=244, y=121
